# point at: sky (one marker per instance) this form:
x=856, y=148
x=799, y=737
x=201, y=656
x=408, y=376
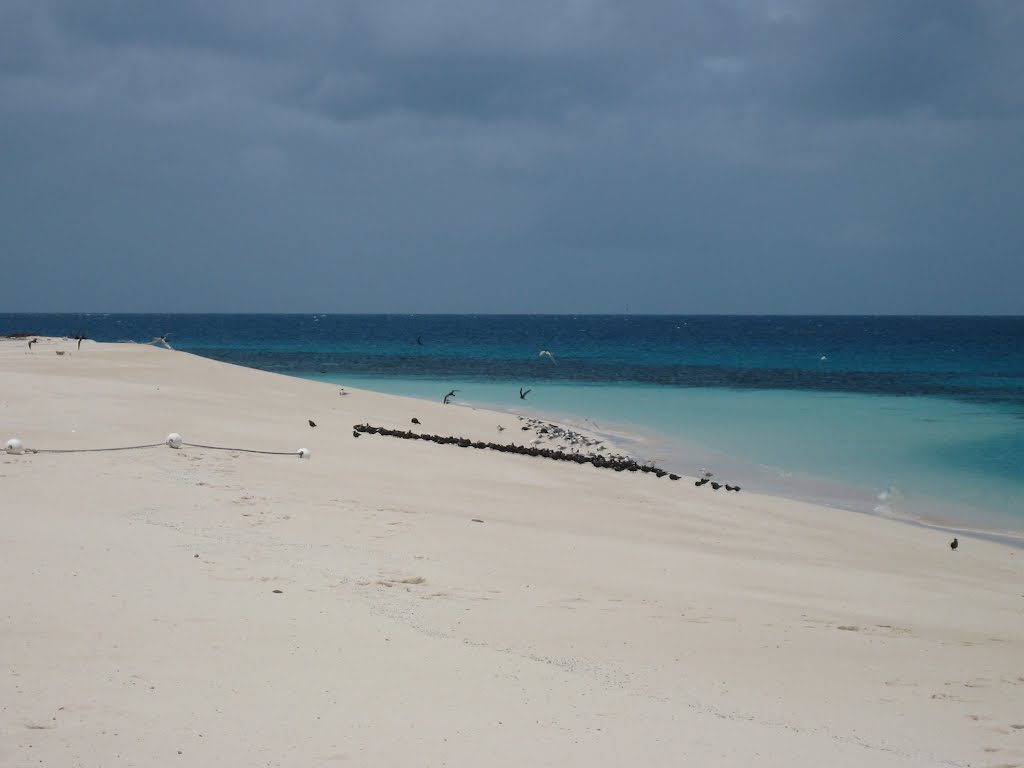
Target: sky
x=564, y=156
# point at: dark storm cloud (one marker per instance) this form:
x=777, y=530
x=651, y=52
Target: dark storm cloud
x=552, y=156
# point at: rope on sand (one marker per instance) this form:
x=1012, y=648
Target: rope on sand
x=85, y=450
x=174, y=440
x=251, y=450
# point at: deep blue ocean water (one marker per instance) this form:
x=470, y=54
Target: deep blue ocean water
x=920, y=417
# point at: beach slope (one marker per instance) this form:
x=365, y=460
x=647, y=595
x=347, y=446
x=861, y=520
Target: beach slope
x=395, y=602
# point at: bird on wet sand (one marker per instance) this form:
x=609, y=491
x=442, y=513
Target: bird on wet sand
x=954, y=544
x=415, y=420
x=450, y=394
x=522, y=394
x=312, y=423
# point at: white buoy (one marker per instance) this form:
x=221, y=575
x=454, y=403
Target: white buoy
x=14, y=446
x=304, y=453
x=174, y=440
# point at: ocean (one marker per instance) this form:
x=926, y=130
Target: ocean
x=920, y=418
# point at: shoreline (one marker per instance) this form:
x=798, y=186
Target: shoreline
x=627, y=439
x=393, y=601
x=808, y=487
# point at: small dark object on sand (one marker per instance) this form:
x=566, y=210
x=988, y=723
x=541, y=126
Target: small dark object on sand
x=415, y=420
x=954, y=544
x=312, y=423
x=356, y=433
x=476, y=520
x=278, y=592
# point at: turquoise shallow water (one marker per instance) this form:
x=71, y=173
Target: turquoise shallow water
x=915, y=417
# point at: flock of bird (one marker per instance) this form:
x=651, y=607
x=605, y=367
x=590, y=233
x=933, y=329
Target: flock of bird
x=550, y=441
x=79, y=337
x=614, y=462
x=705, y=479
x=566, y=444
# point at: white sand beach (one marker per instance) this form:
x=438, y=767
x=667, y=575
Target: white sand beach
x=221, y=608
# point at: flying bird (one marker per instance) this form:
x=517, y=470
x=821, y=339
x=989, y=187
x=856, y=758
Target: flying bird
x=31, y=342
x=545, y=353
x=80, y=337
x=450, y=394
x=522, y=394
x=160, y=340
x=312, y=423
x=954, y=544
x=419, y=341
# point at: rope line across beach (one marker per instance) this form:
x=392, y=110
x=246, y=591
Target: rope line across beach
x=91, y=450
x=14, y=446
x=241, y=450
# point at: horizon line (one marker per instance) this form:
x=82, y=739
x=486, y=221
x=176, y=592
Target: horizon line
x=533, y=314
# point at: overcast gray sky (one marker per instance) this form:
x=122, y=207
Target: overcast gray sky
x=726, y=156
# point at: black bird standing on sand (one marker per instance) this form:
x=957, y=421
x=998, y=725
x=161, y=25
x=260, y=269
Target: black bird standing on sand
x=450, y=394
x=312, y=423
x=522, y=395
x=954, y=544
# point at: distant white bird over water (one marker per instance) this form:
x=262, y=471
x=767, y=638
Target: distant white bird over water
x=545, y=353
